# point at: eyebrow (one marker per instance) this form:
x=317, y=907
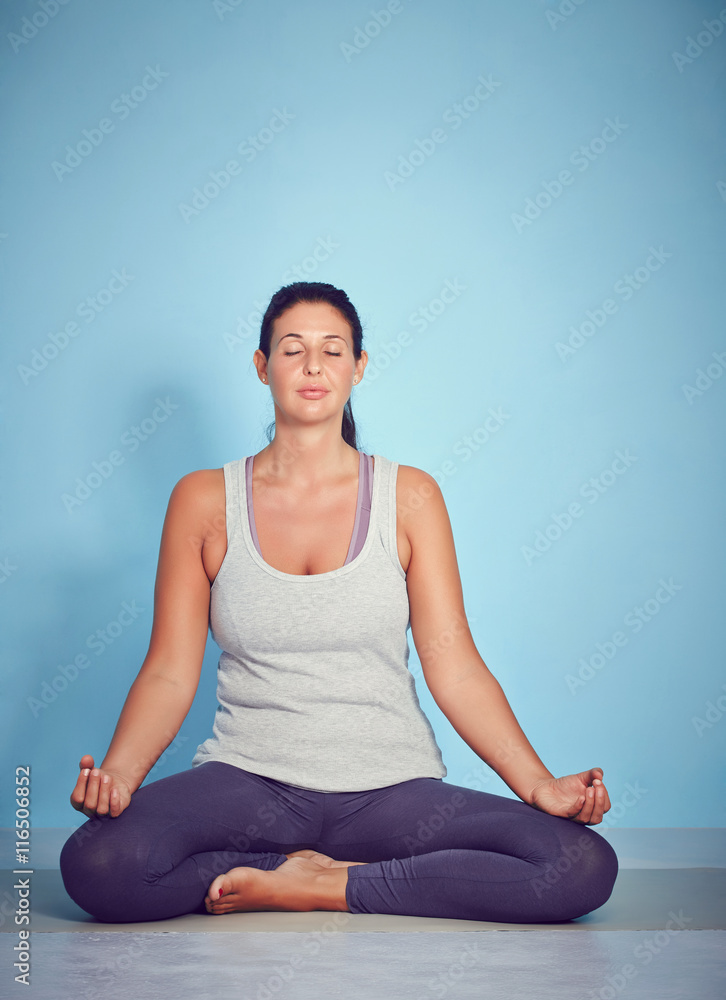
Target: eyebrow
x=328, y=336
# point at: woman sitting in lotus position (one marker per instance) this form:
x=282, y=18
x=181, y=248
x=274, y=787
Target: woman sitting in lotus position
x=310, y=560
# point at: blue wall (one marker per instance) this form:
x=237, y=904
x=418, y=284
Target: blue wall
x=527, y=202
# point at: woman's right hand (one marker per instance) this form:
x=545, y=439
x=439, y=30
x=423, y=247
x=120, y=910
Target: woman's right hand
x=98, y=792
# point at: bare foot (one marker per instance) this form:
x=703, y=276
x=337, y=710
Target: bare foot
x=299, y=884
x=322, y=859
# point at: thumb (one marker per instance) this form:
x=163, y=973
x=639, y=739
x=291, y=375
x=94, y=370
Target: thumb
x=589, y=776
x=86, y=761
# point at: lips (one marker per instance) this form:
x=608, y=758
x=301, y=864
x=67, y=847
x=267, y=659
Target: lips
x=313, y=392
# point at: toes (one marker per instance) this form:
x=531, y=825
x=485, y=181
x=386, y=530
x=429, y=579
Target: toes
x=223, y=907
x=217, y=889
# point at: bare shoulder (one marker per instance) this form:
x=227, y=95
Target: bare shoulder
x=412, y=476
x=200, y=486
x=422, y=520
x=198, y=498
x=419, y=499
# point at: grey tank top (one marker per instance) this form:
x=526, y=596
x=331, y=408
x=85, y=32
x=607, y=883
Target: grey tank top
x=313, y=683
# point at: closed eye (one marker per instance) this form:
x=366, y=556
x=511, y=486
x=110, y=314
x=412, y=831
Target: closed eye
x=289, y=354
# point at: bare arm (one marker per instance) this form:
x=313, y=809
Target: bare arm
x=460, y=682
x=164, y=689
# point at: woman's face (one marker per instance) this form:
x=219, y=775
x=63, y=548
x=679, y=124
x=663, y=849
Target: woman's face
x=311, y=345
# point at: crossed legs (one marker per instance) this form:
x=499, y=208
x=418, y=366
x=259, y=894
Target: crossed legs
x=423, y=847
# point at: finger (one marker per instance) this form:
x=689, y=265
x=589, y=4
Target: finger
x=79, y=792
x=587, y=777
x=86, y=761
x=597, y=808
x=586, y=811
x=91, y=800
x=114, y=802
x=104, y=790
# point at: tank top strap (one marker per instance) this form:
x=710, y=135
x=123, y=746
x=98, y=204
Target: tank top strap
x=233, y=498
x=386, y=508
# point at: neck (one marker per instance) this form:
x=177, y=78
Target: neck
x=306, y=457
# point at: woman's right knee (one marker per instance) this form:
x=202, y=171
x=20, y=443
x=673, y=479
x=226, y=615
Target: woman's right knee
x=100, y=868
x=581, y=878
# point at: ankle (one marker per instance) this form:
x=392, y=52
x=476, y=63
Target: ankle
x=330, y=885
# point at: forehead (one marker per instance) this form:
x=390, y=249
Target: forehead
x=312, y=321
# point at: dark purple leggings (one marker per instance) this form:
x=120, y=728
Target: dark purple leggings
x=433, y=849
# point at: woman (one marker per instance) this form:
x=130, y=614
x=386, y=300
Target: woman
x=320, y=750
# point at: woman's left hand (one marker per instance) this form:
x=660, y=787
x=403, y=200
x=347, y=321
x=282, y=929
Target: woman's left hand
x=581, y=797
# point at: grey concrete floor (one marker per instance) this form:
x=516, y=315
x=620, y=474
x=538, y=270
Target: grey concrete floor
x=531, y=965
